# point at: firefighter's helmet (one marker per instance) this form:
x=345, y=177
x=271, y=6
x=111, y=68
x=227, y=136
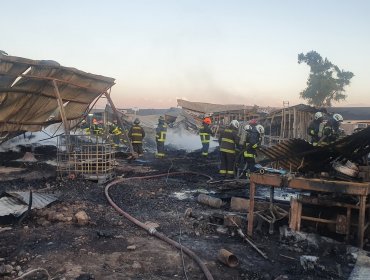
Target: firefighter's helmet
x=260, y=129
x=207, y=120
x=338, y=117
x=253, y=122
x=235, y=124
x=247, y=127
x=318, y=115
x=136, y=121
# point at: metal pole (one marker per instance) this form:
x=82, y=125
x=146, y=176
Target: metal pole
x=119, y=121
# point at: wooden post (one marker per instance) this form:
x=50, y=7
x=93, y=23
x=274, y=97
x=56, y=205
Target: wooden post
x=61, y=108
x=348, y=230
x=252, y=190
x=295, y=123
x=293, y=214
x=361, y=221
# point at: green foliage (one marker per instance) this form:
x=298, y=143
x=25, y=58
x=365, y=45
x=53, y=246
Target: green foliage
x=326, y=81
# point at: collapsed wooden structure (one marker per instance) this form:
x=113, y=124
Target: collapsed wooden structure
x=287, y=123
x=358, y=209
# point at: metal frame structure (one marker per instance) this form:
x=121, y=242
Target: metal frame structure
x=86, y=156
x=361, y=190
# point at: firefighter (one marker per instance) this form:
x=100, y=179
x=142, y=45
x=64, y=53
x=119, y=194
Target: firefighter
x=240, y=163
x=252, y=143
x=160, y=137
x=136, y=135
x=314, y=128
x=330, y=131
x=116, y=131
x=205, y=133
x=97, y=128
x=85, y=127
x=229, y=141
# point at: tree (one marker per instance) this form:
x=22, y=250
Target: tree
x=326, y=81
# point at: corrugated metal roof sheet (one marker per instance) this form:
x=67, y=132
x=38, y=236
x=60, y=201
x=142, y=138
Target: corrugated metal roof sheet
x=27, y=94
x=16, y=203
x=297, y=154
x=202, y=107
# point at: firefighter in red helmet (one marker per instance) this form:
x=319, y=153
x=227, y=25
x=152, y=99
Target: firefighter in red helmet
x=205, y=133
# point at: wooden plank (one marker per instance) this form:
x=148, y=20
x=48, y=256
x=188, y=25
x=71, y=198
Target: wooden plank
x=252, y=190
x=361, y=222
x=293, y=214
x=314, y=184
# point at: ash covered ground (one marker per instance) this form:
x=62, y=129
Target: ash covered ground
x=105, y=245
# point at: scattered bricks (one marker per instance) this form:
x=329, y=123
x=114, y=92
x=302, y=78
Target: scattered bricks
x=209, y=200
x=6, y=269
x=131, y=247
x=239, y=204
x=231, y=220
x=82, y=218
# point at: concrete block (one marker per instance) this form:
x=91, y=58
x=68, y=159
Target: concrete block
x=239, y=204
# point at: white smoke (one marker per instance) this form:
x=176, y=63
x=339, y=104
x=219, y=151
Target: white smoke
x=30, y=139
x=183, y=139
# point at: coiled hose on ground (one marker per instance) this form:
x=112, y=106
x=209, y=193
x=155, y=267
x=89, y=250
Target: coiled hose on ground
x=152, y=230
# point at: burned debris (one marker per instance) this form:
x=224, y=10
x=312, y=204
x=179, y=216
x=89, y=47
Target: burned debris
x=92, y=207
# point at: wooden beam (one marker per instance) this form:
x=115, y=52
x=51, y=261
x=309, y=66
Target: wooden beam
x=61, y=108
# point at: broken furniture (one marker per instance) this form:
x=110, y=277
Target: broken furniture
x=361, y=190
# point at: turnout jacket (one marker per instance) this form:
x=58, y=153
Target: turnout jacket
x=205, y=133
x=161, y=132
x=228, y=140
x=253, y=141
x=313, y=130
x=136, y=134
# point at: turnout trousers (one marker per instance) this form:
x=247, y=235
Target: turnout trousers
x=138, y=148
x=160, y=149
x=227, y=164
x=205, y=148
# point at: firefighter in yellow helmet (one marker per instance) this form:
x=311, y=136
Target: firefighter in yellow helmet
x=136, y=135
x=205, y=133
x=228, y=140
x=160, y=137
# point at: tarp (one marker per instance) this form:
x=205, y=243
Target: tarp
x=28, y=99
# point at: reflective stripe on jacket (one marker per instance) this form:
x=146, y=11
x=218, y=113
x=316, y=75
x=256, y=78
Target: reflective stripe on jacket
x=136, y=134
x=228, y=139
x=161, y=132
x=205, y=133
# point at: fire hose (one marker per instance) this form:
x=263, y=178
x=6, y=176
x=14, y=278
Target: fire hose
x=152, y=230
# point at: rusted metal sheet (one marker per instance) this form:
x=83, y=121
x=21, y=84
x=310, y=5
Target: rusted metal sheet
x=299, y=155
x=16, y=203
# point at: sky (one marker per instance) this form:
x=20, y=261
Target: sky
x=225, y=52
